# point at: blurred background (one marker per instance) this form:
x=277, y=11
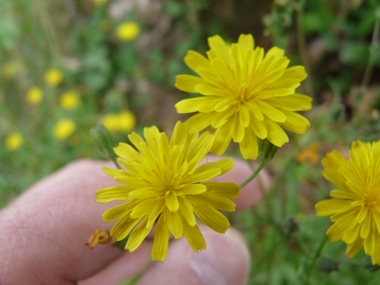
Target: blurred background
x=66, y=66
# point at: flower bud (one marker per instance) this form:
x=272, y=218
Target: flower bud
x=103, y=141
x=267, y=150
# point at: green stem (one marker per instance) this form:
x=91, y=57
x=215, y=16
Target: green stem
x=116, y=163
x=262, y=164
x=369, y=67
x=316, y=256
x=302, y=49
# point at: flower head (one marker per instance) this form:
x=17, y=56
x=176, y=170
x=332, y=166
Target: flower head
x=246, y=95
x=124, y=121
x=128, y=31
x=34, y=95
x=14, y=141
x=53, y=77
x=309, y=153
x=69, y=100
x=64, y=128
x=165, y=184
x=355, y=209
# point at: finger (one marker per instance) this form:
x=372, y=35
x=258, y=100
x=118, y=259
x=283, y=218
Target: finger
x=124, y=267
x=253, y=191
x=225, y=261
x=44, y=232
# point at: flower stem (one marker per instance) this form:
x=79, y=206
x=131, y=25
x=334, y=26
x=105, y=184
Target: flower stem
x=316, y=256
x=369, y=67
x=262, y=164
x=116, y=163
x=302, y=48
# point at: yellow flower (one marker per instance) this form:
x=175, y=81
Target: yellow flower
x=124, y=121
x=64, y=128
x=14, y=141
x=12, y=68
x=127, y=121
x=34, y=95
x=246, y=95
x=355, y=210
x=69, y=100
x=128, y=31
x=309, y=153
x=53, y=77
x=164, y=182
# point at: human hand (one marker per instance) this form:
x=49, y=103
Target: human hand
x=44, y=231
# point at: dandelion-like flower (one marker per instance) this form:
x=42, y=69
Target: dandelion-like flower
x=246, y=95
x=124, y=121
x=355, y=210
x=53, y=77
x=128, y=31
x=69, y=100
x=64, y=129
x=165, y=184
x=14, y=141
x=34, y=95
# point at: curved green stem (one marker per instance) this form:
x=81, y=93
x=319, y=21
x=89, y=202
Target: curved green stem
x=250, y=178
x=316, y=256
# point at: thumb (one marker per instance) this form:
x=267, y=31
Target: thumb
x=225, y=261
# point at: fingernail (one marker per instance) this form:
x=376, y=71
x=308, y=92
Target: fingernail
x=225, y=261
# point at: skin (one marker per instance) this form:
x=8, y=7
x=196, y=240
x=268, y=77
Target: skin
x=43, y=235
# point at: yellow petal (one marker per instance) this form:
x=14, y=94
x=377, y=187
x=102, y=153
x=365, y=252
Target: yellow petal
x=158, y=208
x=161, y=241
x=123, y=227
x=200, y=175
x=248, y=146
x=276, y=134
x=200, y=121
x=331, y=206
x=238, y=131
x=187, y=83
x=113, y=172
x=210, y=217
x=143, y=208
x=115, y=213
x=187, y=211
x=255, y=110
x=294, y=102
x=118, y=192
x=205, y=141
x=194, y=237
x=295, y=122
x=220, y=203
x=272, y=113
x=171, y=201
x=189, y=105
x=354, y=248
x=224, y=165
x=258, y=128
x=223, y=189
x=193, y=189
x=222, y=138
x=208, y=89
x=175, y=223
x=246, y=43
x=195, y=60
x=138, y=235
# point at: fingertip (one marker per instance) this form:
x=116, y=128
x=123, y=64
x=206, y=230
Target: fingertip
x=225, y=261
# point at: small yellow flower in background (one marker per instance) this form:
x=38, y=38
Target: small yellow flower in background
x=14, y=141
x=124, y=121
x=309, y=153
x=12, y=68
x=64, y=128
x=246, y=95
x=99, y=2
x=127, y=121
x=34, y=95
x=128, y=31
x=355, y=209
x=163, y=181
x=69, y=100
x=53, y=77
